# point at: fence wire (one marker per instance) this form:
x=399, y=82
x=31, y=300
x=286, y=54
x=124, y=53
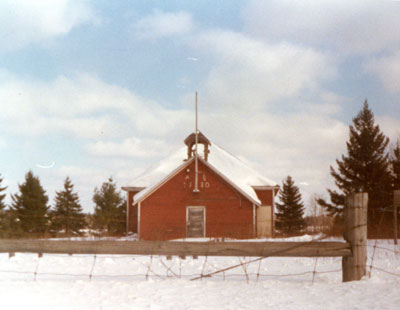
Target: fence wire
x=146, y=267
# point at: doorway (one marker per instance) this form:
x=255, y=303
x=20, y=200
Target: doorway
x=195, y=222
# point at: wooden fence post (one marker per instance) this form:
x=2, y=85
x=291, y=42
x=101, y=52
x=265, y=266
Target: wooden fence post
x=396, y=204
x=355, y=232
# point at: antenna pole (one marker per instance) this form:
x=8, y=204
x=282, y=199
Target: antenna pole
x=196, y=180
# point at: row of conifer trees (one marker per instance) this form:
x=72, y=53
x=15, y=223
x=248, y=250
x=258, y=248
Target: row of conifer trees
x=30, y=215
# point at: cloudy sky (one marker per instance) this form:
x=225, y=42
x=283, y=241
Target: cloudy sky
x=96, y=88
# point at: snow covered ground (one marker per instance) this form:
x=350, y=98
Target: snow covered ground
x=119, y=282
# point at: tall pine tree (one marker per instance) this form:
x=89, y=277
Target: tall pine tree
x=365, y=168
x=67, y=215
x=291, y=209
x=2, y=207
x=109, y=211
x=2, y=196
x=30, y=206
x=395, y=165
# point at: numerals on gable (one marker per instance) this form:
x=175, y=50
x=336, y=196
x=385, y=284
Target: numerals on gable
x=203, y=182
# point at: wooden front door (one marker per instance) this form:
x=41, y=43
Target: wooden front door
x=195, y=222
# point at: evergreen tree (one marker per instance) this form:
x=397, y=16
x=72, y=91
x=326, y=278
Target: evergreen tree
x=110, y=208
x=2, y=207
x=10, y=226
x=291, y=210
x=365, y=168
x=30, y=205
x=395, y=165
x=67, y=215
x=2, y=196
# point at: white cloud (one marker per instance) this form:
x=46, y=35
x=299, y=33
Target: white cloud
x=83, y=106
x=85, y=179
x=130, y=147
x=390, y=126
x=351, y=27
x=25, y=21
x=163, y=24
x=60, y=105
x=281, y=138
x=267, y=102
x=330, y=102
x=387, y=70
x=251, y=73
x=301, y=144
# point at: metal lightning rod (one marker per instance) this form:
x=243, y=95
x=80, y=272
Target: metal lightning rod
x=196, y=180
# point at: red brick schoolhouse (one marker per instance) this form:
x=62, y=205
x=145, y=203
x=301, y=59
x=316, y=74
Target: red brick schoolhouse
x=232, y=200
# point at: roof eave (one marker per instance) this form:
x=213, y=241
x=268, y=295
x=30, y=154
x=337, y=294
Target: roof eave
x=132, y=188
x=265, y=187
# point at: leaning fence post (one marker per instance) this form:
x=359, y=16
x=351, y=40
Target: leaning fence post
x=396, y=204
x=355, y=232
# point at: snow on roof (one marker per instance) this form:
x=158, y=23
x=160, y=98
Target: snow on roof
x=232, y=168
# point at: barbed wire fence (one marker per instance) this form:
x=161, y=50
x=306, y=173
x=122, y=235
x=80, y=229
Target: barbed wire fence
x=383, y=259
x=129, y=267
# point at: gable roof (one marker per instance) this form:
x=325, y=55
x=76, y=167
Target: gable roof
x=232, y=169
